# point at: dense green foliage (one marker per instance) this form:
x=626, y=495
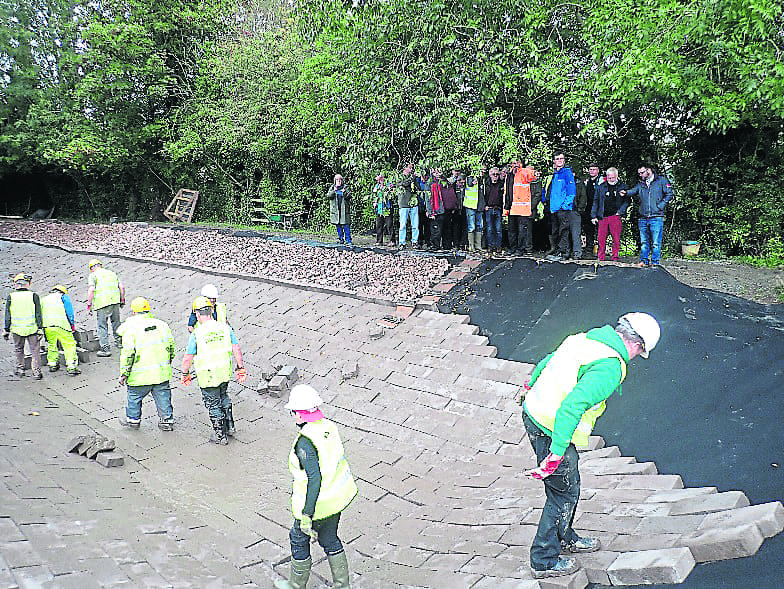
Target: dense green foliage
x=108, y=108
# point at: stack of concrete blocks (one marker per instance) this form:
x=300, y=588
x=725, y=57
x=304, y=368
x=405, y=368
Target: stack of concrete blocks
x=86, y=342
x=98, y=448
x=277, y=380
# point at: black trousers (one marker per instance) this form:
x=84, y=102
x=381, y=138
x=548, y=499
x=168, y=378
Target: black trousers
x=385, y=223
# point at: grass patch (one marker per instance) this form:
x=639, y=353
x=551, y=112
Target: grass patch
x=760, y=262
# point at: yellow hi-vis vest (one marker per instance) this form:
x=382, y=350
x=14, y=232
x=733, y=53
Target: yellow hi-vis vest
x=23, y=313
x=107, y=288
x=471, y=198
x=220, y=315
x=213, y=353
x=338, y=488
x=150, y=343
x=559, y=377
x=53, y=311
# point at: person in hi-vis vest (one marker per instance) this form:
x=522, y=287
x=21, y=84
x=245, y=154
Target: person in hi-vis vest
x=211, y=347
x=219, y=312
x=105, y=296
x=564, y=397
x=323, y=487
x=59, y=324
x=23, y=320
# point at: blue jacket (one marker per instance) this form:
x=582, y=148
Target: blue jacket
x=560, y=191
x=654, y=198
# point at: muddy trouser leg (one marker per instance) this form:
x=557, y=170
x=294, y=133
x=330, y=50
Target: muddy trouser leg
x=562, y=491
x=19, y=345
x=34, y=343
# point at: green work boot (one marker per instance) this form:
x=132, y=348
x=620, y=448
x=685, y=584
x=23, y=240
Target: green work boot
x=300, y=573
x=338, y=564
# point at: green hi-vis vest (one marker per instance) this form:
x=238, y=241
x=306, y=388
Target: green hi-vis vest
x=220, y=312
x=107, y=288
x=559, y=377
x=213, y=353
x=338, y=488
x=471, y=198
x=148, y=347
x=53, y=311
x=23, y=313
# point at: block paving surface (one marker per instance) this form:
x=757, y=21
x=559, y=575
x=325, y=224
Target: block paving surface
x=432, y=431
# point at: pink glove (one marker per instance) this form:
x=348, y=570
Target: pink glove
x=548, y=466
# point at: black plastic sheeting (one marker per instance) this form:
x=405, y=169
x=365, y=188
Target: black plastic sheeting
x=709, y=402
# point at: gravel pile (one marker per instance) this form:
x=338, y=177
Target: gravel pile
x=399, y=277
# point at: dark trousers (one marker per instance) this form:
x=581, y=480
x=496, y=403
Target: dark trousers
x=381, y=224
x=562, y=220
x=590, y=232
x=436, y=226
x=424, y=225
x=327, y=530
x=216, y=400
x=521, y=233
x=575, y=234
x=451, y=229
x=562, y=491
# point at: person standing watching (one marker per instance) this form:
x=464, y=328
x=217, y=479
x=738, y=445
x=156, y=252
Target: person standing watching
x=58, y=320
x=559, y=194
x=408, y=206
x=564, y=397
x=523, y=192
x=382, y=207
x=323, y=487
x=23, y=320
x=609, y=208
x=212, y=345
x=494, y=205
x=589, y=227
x=105, y=296
x=145, y=365
x=653, y=192
x=339, y=199
x=474, y=205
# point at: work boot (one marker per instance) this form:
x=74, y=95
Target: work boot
x=564, y=566
x=584, y=544
x=300, y=573
x=218, y=435
x=230, y=430
x=471, y=241
x=73, y=371
x=166, y=424
x=54, y=367
x=338, y=564
x=104, y=352
x=126, y=421
x=478, y=241
x=37, y=375
x=20, y=372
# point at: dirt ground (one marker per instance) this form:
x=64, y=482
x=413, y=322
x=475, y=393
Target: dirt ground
x=762, y=285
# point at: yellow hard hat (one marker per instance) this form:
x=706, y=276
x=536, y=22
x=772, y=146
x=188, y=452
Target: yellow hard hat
x=22, y=277
x=140, y=305
x=61, y=288
x=201, y=303
x=94, y=262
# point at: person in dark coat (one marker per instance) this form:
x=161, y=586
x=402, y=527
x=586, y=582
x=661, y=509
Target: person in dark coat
x=340, y=209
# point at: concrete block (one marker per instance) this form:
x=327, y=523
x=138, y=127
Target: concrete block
x=91, y=345
x=653, y=482
x=375, y=332
x=723, y=543
x=83, y=355
x=73, y=445
x=673, y=495
x=710, y=503
x=651, y=567
x=110, y=459
x=769, y=518
x=619, y=465
x=85, y=335
x=594, y=443
x=101, y=445
x=349, y=370
x=606, y=452
x=667, y=524
x=85, y=445
x=262, y=388
x=268, y=371
x=278, y=384
x=289, y=373
x=595, y=565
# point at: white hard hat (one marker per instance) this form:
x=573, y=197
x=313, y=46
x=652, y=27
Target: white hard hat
x=303, y=397
x=209, y=291
x=646, y=327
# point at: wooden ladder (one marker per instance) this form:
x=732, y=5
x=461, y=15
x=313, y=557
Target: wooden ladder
x=182, y=206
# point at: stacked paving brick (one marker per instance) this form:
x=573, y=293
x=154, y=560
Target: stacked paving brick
x=432, y=430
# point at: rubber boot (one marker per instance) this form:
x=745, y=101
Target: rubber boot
x=478, y=240
x=338, y=564
x=300, y=573
x=230, y=421
x=471, y=241
x=218, y=436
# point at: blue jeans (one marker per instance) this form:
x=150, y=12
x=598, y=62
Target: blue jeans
x=216, y=400
x=407, y=213
x=473, y=220
x=344, y=234
x=327, y=529
x=493, y=228
x=562, y=489
x=161, y=394
x=104, y=315
x=651, y=238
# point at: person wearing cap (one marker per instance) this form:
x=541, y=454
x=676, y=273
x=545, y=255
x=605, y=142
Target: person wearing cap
x=212, y=345
x=218, y=309
x=145, y=365
x=105, y=296
x=564, y=397
x=59, y=324
x=323, y=487
x=23, y=320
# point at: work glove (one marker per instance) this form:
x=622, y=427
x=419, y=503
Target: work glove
x=548, y=466
x=123, y=379
x=73, y=327
x=90, y=309
x=186, y=379
x=241, y=375
x=6, y=335
x=122, y=302
x=306, y=525
x=523, y=392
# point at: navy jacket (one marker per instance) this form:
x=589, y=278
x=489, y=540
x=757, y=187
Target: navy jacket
x=654, y=198
x=597, y=212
